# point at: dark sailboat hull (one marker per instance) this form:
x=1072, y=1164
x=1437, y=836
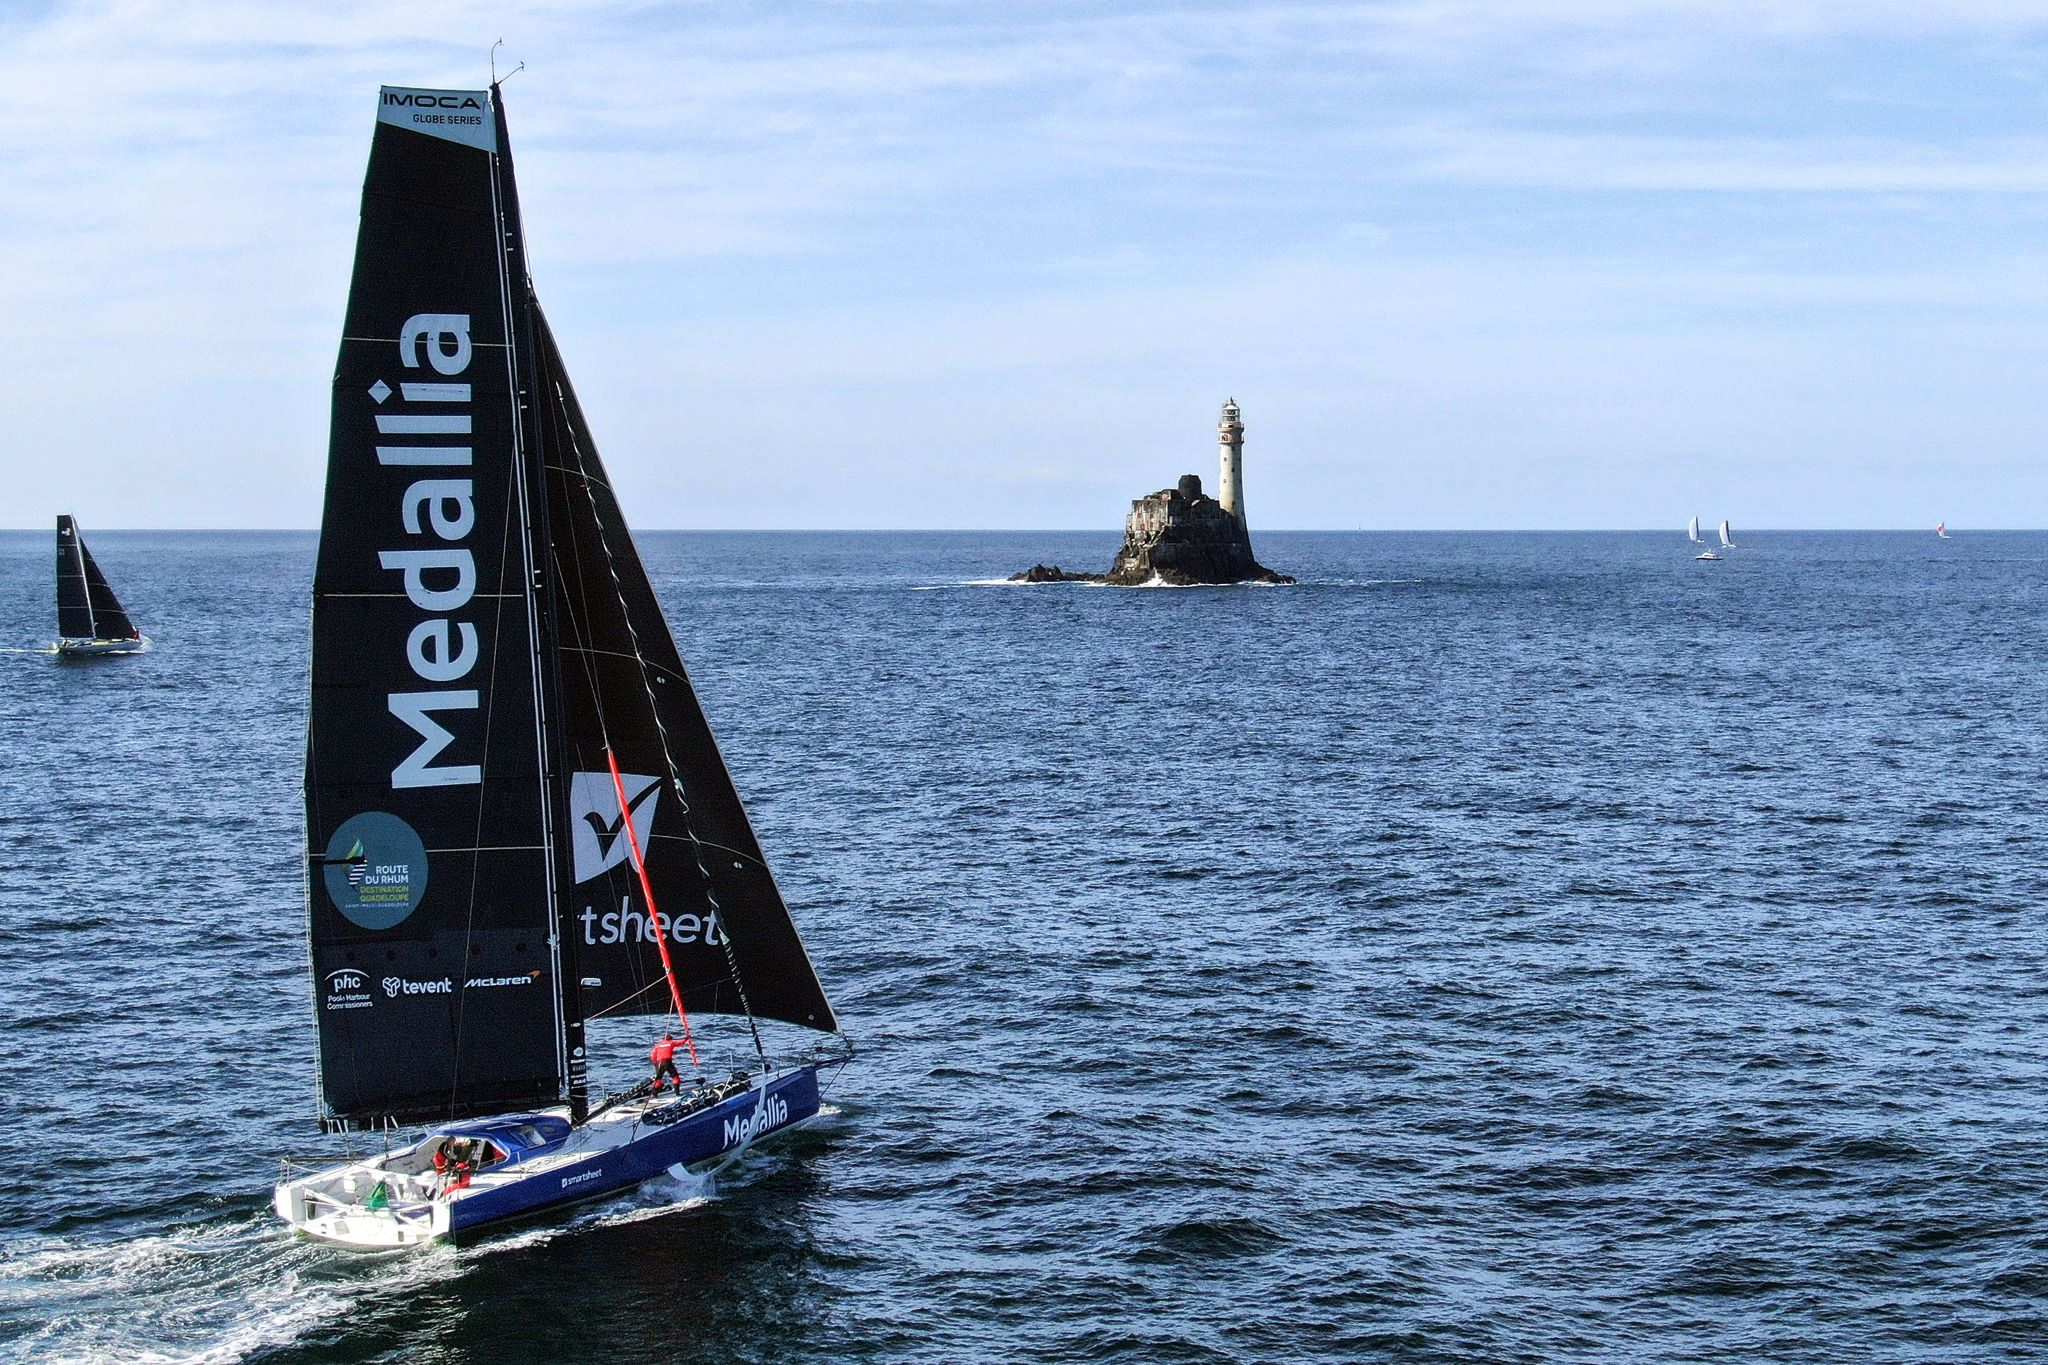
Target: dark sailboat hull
x=88, y=649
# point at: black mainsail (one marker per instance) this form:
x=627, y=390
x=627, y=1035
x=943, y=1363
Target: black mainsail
x=86, y=607
x=485, y=645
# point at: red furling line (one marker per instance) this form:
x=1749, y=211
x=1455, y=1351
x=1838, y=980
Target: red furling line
x=675, y=993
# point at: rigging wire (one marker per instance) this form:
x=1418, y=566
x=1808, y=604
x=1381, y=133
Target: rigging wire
x=580, y=623
x=667, y=753
x=622, y=1004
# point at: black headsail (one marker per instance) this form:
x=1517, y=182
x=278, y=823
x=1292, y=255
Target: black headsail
x=623, y=692
x=86, y=607
x=731, y=940
x=437, y=980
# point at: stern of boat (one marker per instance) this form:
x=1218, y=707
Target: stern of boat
x=362, y=1207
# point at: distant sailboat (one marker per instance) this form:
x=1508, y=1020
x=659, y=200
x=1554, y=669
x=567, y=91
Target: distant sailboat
x=1726, y=542
x=1692, y=530
x=90, y=619
x=1941, y=529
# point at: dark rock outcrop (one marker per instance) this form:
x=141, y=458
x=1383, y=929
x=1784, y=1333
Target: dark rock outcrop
x=1182, y=536
x=1053, y=573
x=1179, y=536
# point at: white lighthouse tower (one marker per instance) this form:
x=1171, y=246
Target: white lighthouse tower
x=1230, y=441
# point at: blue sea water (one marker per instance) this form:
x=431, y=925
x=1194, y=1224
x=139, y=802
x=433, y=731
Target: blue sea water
x=1494, y=948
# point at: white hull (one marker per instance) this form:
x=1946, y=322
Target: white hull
x=139, y=645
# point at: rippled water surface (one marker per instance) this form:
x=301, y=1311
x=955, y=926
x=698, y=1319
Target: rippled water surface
x=1495, y=948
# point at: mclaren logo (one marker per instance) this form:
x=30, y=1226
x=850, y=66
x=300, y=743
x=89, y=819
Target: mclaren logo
x=597, y=831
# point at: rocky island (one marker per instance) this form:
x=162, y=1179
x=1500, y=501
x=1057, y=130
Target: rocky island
x=1181, y=536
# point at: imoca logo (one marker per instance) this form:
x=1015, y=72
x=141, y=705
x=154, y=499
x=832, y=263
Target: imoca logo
x=597, y=834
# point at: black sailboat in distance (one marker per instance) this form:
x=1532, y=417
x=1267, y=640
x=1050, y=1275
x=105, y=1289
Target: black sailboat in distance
x=90, y=619
x=517, y=819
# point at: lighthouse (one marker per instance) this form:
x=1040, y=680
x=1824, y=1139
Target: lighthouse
x=1230, y=444
x=1180, y=535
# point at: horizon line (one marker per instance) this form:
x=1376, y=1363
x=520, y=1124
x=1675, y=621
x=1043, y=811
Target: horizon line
x=1093, y=530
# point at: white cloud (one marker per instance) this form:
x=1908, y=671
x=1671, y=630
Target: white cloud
x=1434, y=222
x=1724, y=165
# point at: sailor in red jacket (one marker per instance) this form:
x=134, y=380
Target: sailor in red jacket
x=664, y=1058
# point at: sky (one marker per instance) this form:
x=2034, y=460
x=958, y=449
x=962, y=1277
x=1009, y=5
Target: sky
x=1546, y=264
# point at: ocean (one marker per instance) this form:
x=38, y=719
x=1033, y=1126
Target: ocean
x=1507, y=947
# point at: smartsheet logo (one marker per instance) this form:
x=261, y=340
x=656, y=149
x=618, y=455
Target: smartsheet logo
x=597, y=832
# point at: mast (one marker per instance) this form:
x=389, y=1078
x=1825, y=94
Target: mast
x=523, y=365
x=91, y=617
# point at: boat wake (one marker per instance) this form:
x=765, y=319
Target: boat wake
x=657, y=1198
x=215, y=1292
x=224, y=1290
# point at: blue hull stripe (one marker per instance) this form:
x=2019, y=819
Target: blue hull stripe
x=700, y=1137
